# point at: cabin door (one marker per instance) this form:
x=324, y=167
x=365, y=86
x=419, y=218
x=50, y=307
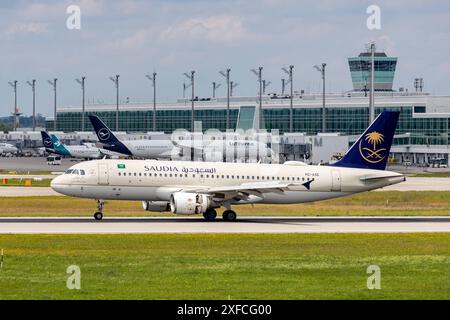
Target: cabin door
x=103, y=174
x=336, y=180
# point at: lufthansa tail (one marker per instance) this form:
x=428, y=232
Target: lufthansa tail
x=106, y=137
x=47, y=141
x=371, y=150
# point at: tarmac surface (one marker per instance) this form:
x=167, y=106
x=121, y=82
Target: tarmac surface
x=242, y=225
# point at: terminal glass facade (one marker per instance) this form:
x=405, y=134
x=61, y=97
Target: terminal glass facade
x=346, y=120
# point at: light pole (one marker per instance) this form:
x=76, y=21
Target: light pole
x=291, y=96
x=259, y=75
x=153, y=80
x=372, y=83
x=265, y=85
x=226, y=75
x=53, y=84
x=283, y=86
x=14, y=86
x=32, y=84
x=232, y=86
x=82, y=83
x=116, y=83
x=190, y=76
x=321, y=69
x=215, y=86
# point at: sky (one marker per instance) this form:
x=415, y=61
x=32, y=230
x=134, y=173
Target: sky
x=136, y=37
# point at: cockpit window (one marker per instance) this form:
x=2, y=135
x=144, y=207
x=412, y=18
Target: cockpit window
x=69, y=171
x=75, y=171
x=82, y=172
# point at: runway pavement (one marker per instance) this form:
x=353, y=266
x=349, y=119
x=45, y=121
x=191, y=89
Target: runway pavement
x=243, y=225
x=27, y=191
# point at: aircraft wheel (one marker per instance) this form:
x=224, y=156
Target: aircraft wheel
x=98, y=216
x=229, y=215
x=210, y=214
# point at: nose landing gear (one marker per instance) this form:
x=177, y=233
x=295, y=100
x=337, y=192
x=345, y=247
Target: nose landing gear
x=99, y=214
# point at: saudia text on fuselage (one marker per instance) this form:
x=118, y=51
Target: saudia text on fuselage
x=162, y=168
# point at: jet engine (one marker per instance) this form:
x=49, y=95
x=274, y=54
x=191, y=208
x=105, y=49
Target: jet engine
x=190, y=203
x=156, y=206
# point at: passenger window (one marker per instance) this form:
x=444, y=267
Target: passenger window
x=140, y=174
x=120, y=173
x=135, y=174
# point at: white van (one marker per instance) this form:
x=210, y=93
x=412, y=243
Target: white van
x=54, y=160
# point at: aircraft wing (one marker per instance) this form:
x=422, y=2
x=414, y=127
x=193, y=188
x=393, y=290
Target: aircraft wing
x=243, y=190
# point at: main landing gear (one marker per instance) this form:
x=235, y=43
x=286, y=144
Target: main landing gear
x=229, y=215
x=211, y=214
x=99, y=214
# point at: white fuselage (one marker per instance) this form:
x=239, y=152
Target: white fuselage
x=8, y=148
x=150, y=149
x=151, y=180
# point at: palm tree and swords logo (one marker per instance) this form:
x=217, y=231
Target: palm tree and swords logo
x=369, y=150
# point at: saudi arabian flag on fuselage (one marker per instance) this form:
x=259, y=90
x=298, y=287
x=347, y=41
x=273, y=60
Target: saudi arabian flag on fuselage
x=120, y=166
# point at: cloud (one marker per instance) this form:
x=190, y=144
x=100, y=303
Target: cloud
x=27, y=28
x=219, y=28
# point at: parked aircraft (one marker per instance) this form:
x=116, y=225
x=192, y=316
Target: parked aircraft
x=85, y=151
x=149, y=149
x=8, y=148
x=185, y=187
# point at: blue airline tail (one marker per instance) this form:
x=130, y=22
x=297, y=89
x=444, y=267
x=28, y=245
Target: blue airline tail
x=47, y=141
x=371, y=150
x=107, y=138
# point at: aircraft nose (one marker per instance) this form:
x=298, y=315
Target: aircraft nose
x=58, y=184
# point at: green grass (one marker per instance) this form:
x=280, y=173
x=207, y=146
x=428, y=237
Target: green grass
x=213, y=266
x=14, y=182
x=383, y=203
x=432, y=174
x=34, y=173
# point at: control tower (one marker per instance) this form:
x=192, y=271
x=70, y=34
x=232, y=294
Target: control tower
x=384, y=71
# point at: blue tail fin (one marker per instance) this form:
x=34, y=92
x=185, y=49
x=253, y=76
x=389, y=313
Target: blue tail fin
x=47, y=141
x=371, y=150
x=106, y=137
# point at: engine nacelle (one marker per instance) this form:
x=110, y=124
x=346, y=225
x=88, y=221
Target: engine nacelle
x=156, y=206
x=189, y=203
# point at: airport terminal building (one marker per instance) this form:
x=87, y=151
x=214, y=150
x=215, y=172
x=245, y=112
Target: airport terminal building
x=422, y=134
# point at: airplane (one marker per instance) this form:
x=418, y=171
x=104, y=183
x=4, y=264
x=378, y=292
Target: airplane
x=8, y=148
x=88, y=151
x=153, y=149
x=185, y=187
x=165, y=149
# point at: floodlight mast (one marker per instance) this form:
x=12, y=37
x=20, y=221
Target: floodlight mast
x=190, y=76
x=226, y=75
x=116, y=82
x=232, y=86
x=215, y=86
x=153, y=80
x=291, y=95
x=372, y=82
x=32, y=84
x=259, y=75
x=321, y=69
x=53, y=84
x=14, y=86
x=82, y=82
